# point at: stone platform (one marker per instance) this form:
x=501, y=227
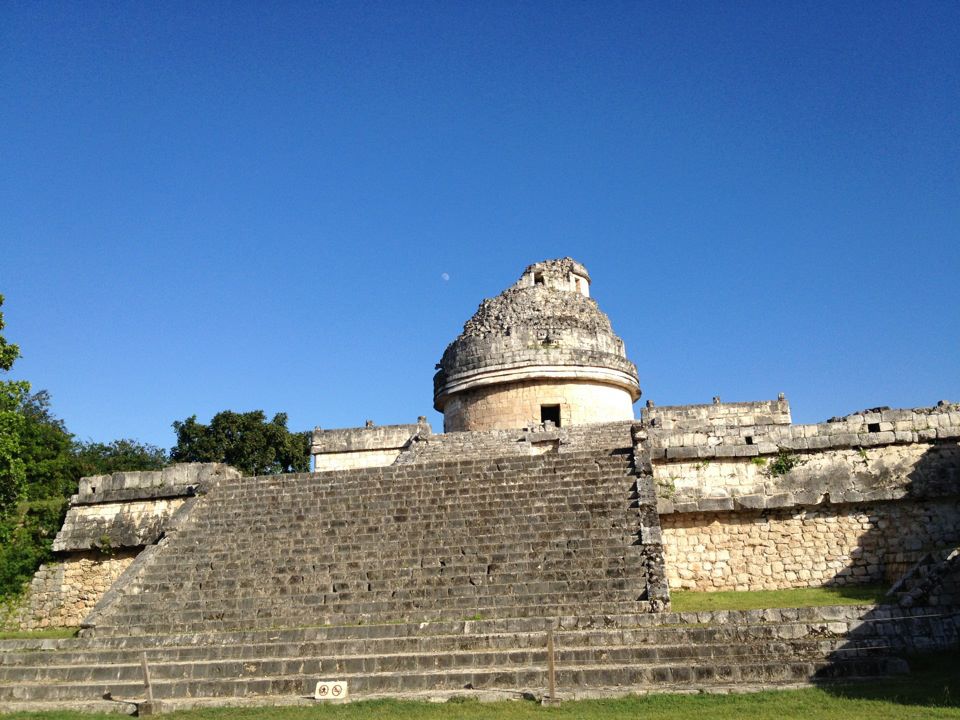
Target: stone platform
x=496, y=658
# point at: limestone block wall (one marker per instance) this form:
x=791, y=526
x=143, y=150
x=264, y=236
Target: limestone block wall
x=717, y=414
x=800, y=547
x=110, y=521
x=174, y=480
x=858, y=499
x=370, y=446
x=860, y=430
x=355, y=459
x=836, y=475
x=115, y=524
x=517, y=405
x=62, y=593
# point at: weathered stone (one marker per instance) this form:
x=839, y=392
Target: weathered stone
x=542, y=343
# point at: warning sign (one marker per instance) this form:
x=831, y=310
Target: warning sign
x=331, y=691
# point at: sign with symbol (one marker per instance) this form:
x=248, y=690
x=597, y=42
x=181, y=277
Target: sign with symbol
x=331, y=691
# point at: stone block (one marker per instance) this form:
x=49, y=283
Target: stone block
x=783, y=499
x=751, y=502
x=715, y=504
x=807, y=497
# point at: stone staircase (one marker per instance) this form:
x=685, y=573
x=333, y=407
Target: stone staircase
x=934, y=579
x=518, y=442
x=550, y=535
x=506, y=657
x=433, y=580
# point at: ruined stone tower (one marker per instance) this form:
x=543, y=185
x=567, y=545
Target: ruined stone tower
x=539, y=351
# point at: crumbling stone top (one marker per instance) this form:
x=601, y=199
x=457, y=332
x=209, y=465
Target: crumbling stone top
x=546, y=319
x=372, y=437
x=174, y=480
x=550, y=305
x=944, y=406
x=717, y=414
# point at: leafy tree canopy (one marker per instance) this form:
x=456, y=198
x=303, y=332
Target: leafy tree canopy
x=40, y=465
x=13, y=476
x=94, y=458
x=8, y=352
x=244, y=440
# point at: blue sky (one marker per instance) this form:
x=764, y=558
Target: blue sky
x=208, y=206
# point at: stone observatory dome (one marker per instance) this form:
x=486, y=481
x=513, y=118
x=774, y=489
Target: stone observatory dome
x=539, y=351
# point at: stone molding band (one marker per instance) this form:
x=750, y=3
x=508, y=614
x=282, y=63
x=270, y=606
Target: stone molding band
x=503, y=375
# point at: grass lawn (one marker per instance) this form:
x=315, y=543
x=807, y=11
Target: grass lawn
x=41, y=634
x=931, y=691
x=689, y=600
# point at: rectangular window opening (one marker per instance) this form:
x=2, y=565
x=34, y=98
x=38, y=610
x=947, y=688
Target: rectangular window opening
x=873, y=427
x=749, y=439
x=538, y=278
x=550, y=413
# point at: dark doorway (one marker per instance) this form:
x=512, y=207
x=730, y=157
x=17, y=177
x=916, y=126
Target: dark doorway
x=551, y=413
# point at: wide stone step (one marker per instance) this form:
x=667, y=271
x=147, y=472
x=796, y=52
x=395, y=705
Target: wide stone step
x=200, y=622
x=466, y=569
x=647, y=643
x=516, y=546
x=535, y=575
x=393, y=519
x=616, y=588
x=586, y=492
x=633, y=677
x=427, y=654
x=502, y=530
x=433, y=481
x=451, y=579
x=690, y=626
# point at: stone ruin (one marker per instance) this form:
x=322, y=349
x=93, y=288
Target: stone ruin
x=434, y=564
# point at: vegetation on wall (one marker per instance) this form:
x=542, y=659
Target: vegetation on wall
x=52, y=461
x=784, y=462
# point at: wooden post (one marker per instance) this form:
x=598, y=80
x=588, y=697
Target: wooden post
x=146, y=677
x=551, y=667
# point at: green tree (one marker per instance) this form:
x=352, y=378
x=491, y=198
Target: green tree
x=8, y=352
x=40, y=465
x=95, y=458
x=46, y=448
x=13, y=475
x=244, y=440
x=53, y=463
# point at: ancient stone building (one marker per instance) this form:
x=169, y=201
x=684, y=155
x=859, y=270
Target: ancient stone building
x=540, y=351
x=418, y=562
